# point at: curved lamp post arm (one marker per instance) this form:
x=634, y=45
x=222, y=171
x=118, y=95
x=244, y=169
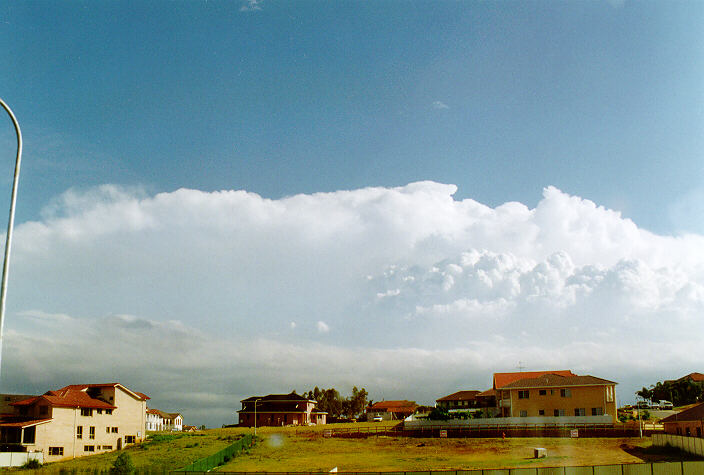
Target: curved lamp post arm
x=10, y=224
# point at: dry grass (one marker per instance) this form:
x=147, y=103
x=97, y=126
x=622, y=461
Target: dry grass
x=281, y=451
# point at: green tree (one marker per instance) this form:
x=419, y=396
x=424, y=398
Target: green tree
x=123, y=465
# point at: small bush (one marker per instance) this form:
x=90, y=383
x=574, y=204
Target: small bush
x=32, y=464
x=123, y=465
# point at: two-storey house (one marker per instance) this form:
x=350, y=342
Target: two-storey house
x=555, y=394
x=77, y=420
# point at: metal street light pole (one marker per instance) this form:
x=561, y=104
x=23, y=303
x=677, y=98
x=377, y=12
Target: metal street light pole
x=255, y=416
x=11, y=221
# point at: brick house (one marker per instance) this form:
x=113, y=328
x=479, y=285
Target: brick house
x=689, y=422
x=76, y=420
x=554, y=394
x=280, y=410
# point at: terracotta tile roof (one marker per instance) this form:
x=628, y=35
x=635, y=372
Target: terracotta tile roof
x=460, y=396
x=695, y=413
x=67, y=398
x=502, y=379
x=487, y=393
x=83, y=387
x=696, y=377
x=21, y=424
x=393, y=406
x=551, y=380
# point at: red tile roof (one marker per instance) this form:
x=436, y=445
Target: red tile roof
x=33, y=422
x=696, y=377
x=503, y=379
x=695, y=413
x=460, y=396
x=393, y=406
x=551, y=380
x=82, y=387
x=487, y=393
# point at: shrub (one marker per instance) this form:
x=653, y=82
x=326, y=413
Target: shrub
x=32, y=464
x=123, y=465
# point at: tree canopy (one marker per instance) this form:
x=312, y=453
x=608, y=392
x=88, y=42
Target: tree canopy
x=330, y=401
x=679, y=392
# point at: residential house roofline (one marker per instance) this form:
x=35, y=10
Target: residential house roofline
x=555, y=380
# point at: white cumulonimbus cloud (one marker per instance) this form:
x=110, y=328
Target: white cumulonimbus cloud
x=201, y=299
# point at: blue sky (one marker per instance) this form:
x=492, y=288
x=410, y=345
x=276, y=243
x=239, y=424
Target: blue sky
x=500, y=98
x=585, y=114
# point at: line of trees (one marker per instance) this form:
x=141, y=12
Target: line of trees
x=679, y=392
x=330, y=401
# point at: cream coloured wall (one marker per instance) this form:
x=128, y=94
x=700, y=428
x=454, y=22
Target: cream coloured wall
x=586, y=397
x=129, y=418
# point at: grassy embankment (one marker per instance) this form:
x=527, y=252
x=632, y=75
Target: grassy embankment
x=160, y=453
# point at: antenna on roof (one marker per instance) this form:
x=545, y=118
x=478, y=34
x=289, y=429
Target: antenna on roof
x=520, y=366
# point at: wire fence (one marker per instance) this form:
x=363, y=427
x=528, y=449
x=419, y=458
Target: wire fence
x=657, y=468
x=219, y=458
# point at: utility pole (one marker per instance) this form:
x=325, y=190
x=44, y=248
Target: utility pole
x=11, y=221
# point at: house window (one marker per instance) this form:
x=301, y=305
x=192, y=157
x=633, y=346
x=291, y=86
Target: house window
x=542, y=392
x=107, y=429
x=89, y=448
x=108, y=411
x=541, y=412
x=99, y=411
x=609, y=393
x=524, y=414
x=129, y=439
x=107, y=447
x=687, y=432
x=559, y=412
x=114, y=430
x=597, y=411
x=56, y=450
x=86, y=412
x=565, y=393
x=79, y=432
x=43, y=410
x=91, y=432
x=28, y=435
x=523, y=394
x=579, y=412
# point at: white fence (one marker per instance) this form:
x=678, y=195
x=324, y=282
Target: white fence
x=17, y=459
x=693, y=445
x=411, y=423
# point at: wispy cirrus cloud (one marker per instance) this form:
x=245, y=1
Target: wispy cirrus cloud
x=440, y=105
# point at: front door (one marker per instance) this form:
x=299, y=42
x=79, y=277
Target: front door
x=119, y=443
